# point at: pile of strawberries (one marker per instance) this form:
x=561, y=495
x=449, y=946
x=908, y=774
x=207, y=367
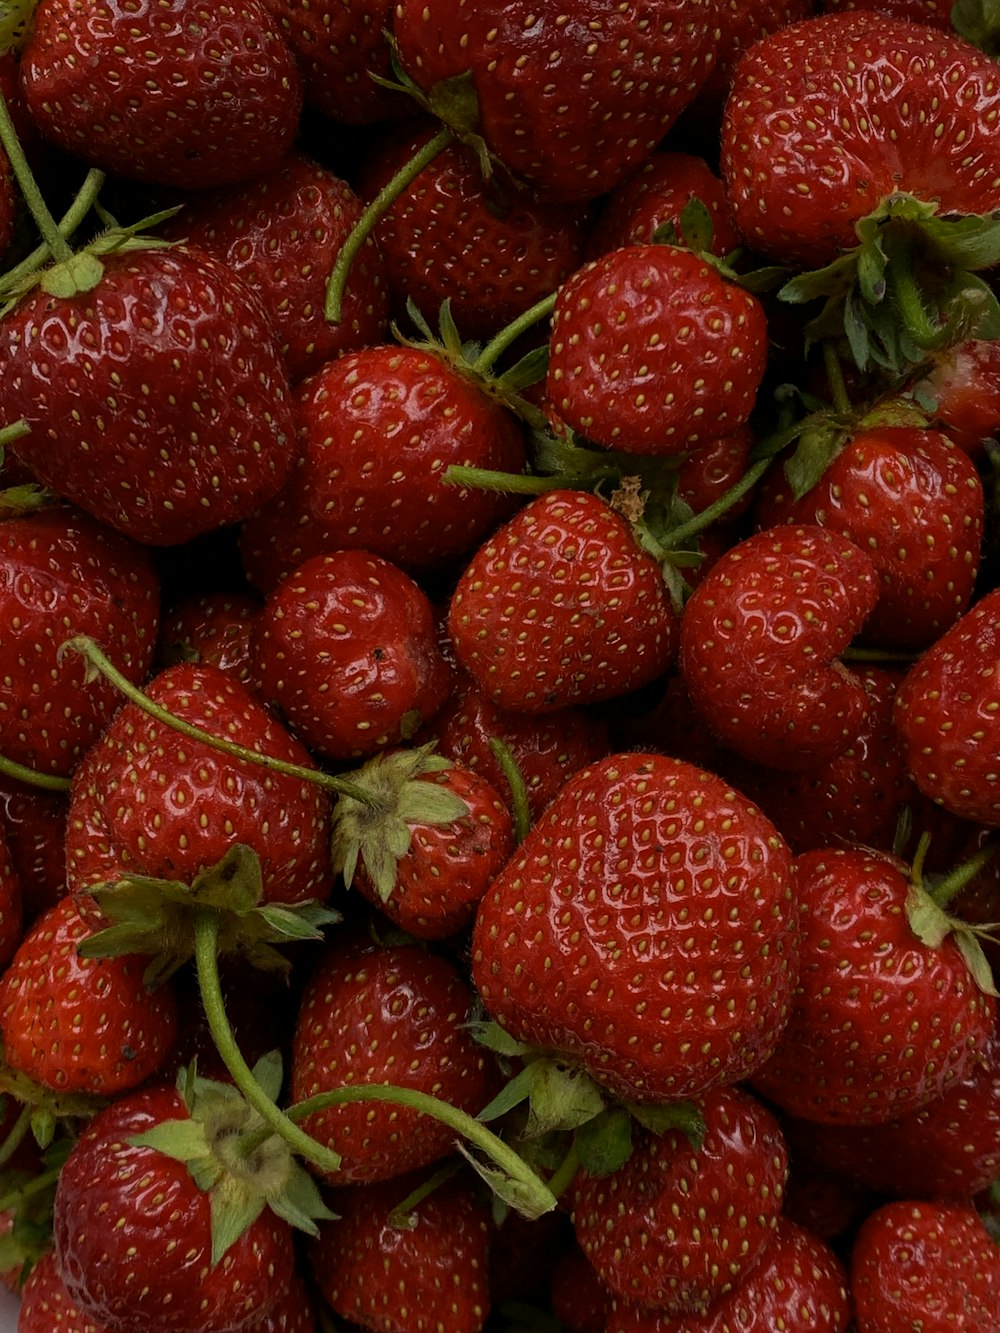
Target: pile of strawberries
x=500, y=666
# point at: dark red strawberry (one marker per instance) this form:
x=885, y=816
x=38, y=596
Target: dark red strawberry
x=47, y=1305
x=579, y=1299
x=393, y=1013
x=959, y=388
x=34, y=825
x=557, y=107
x=562, y=607
x=882, y=1023
x=707, y=1213
x=935, y=13
x=281, y=232
x=346, y=649
x=11, y=903
x=62, y=573
x=191, y=94
x=760, y=642
x=295, y=1311
x=655, y=999
x=157, y=401
x=213, y=628
x=377, y=430
x=653, y=351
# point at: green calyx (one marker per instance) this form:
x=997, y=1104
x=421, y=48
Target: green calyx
x=926, y=911
x=910, y=287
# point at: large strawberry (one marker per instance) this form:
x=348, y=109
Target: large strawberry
x=191, y=94
x=157, y=400
x=671, y=971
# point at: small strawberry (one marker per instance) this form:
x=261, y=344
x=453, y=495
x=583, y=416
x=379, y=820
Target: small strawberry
x=673, y=971
x=760, y=639
x=211, y=628
x=578, y=1297
x=191, y=94
x=34, y=825
x=46, y=1305
x=959, y=389
x=562, y=607
x=653, y=351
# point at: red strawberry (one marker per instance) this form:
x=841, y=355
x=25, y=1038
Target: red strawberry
x=678, y=1227
x=374, y=1013
x=931, y=1266
x=62, y=573
x=377, y=430
x=655, y=999
x=935, y=13
x=211, y=443
x=79, y=1025
x=46, y=1305
x=191, y=94
x=346, y=648
x=948, y=715
x=34, y=825
x=295, y=1311
x=557, y=107
x=579, y=1299
x=280, y=232
x=960, y=389
x=420, y=1271
x=914, y=502
x=760, y=638
x=212, y=628
x=653, y=351
x=562, y=607
x=881, y=1023
x=11, y=903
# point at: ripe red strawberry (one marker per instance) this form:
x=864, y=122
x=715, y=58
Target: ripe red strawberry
x=557, y=107
x=948, y=715
x=148, y=801
x=133, y=1232
x=799, y=182
x=914, y=502
x=760, y=638
x=79, y=1025
x=653, y=351
x=579, y=1299
x=157, y=401
x=346, y=649
x=46, y=1305
x=705, y=1214
x=11, y=903
x=422, y=1271
x=212, y=628
x=562, y=607
x=281, y=232
x=62, y=573
x=295, y=1311
x=191, y=94
x=393, y=1013
x=935, y=13
x=377, y=429
x=881, y=1023
x=34, y=825
x=960, y=390
x=932, y=1266
x=655, y=999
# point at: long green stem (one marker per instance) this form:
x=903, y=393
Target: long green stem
x=68, y=223
x=519, y=804
x=510, y=333
x=16, y=1136
x=715, y=511
x=10, y=768
x=945, y=889
x=57, y=244
x=513, y=483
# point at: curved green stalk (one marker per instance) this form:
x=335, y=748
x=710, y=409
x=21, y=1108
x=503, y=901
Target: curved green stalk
x=56, y=242
x=31, y=777
x=85, y=199
x=16, y=1136
x=520, y=809
x=510, y=333
x=705, y=517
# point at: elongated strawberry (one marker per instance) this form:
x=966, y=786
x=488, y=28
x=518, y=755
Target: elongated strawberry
x=672, y=972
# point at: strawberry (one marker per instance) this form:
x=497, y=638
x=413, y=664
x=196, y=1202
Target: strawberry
x=62, y=573
x=557, y=107
x=46, y=1304
x=656, y=1001
x=579, y=1299
x=420, y=1270
x=392, y=1013
x=34, y=826
x=760, y=638
x=881, y=1023
x=914, y=502
x=960, y=390
x=192, y=95
x=562, y=607
x=213, y=628
x=81, y=1025
x=208, y=446
x=11, y=903
x=932, y=1266
x=279, y=232
x=346, y=649
x=934, y=13
x=653, y=351
x=377, y=430
x=947, y=711
x=705, y=1214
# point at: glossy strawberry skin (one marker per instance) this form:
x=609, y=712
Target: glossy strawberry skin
x=46, y=1304
x=213, y=441
x=652, y=351
x=62, y=573
x=656, y=1001
x=77, y=1025
x=132, y=1232
x=211, y=628
x=760, y=638
x=562, y=607
x=192, y=94
x=881, y=1023
x=34, y=825
x=706, y=1213
x=948, y=715
x=558, y=108
x=798, y=183
x=960, y=389
x=148, y=801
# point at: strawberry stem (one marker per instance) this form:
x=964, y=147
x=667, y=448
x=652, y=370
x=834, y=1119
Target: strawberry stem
x=57, y=244
x=944, y=890
x=67, y=225
x=510, y=333
x=519, y=806
x=31, y=777
x=705, y=517
x=18, y=1131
